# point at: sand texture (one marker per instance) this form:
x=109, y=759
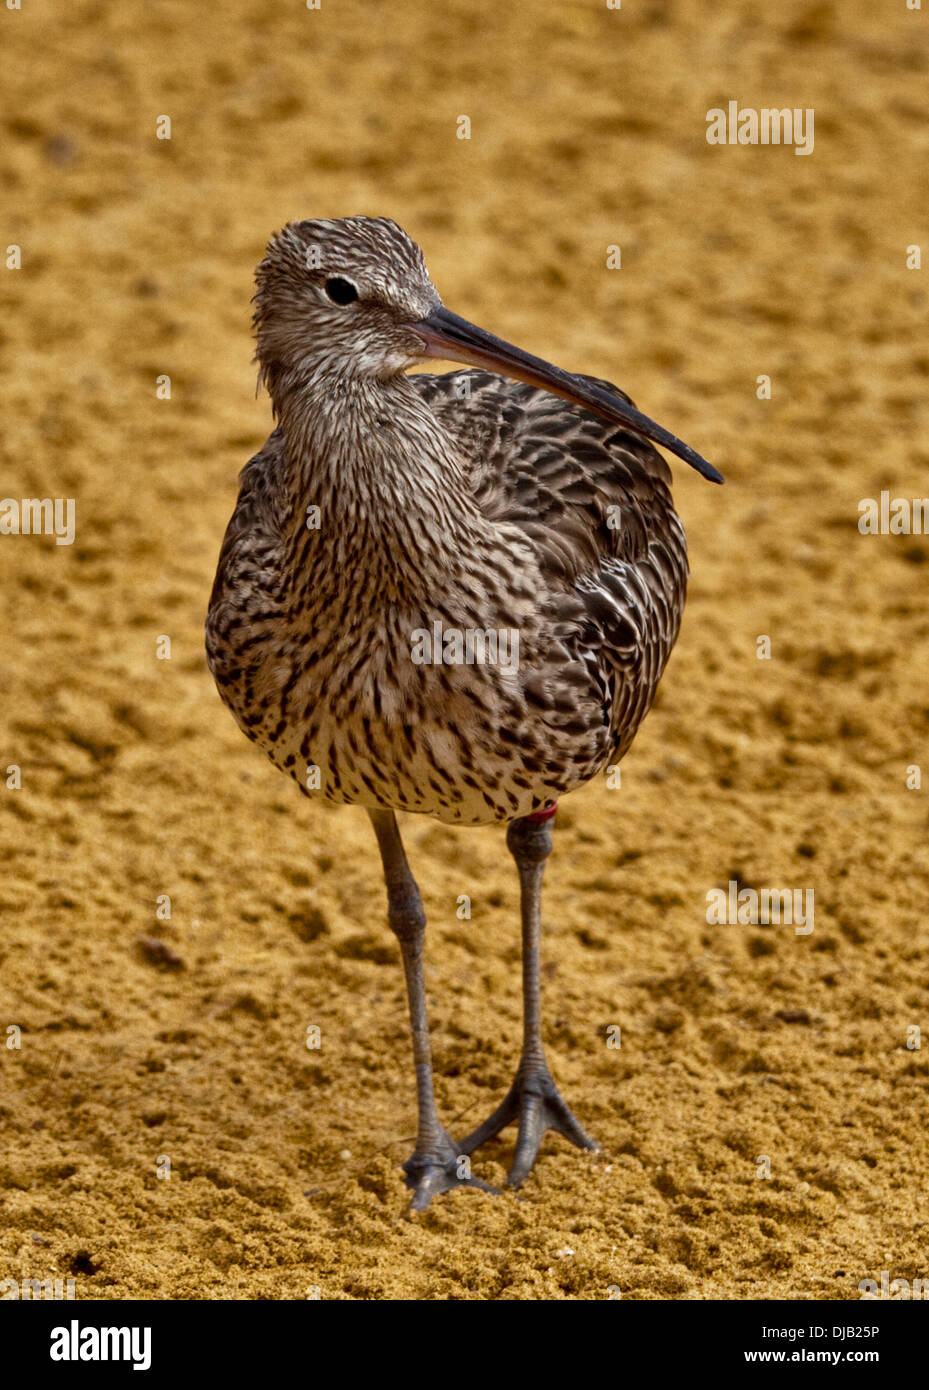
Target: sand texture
x=144, y=1039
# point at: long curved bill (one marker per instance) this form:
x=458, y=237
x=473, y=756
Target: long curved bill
x=454, y=339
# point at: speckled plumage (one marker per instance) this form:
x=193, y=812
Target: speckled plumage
x=466, y=499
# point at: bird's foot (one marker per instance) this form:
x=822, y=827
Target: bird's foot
x=442, y=1168
x=535, y=1101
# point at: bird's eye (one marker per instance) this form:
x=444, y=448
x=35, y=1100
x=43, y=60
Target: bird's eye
x=341, y=291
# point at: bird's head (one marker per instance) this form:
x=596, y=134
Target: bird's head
x=342, y=296
x=351, y=298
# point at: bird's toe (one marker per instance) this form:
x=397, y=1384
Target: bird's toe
x=443, y=1169
x=535, y=1102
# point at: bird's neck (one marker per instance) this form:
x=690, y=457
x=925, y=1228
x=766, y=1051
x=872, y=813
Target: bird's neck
x=393, y=505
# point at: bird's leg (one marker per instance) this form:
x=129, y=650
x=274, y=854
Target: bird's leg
x=533, y=1099
x=437, y=1164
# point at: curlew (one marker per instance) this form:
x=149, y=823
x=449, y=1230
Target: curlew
x=392, y=538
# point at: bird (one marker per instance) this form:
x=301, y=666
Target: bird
x=450, y=595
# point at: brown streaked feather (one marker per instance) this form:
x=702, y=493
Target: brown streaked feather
x=595, y=503
x=465, y=498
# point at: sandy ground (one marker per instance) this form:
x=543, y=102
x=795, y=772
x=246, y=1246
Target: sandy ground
x=738, y=1042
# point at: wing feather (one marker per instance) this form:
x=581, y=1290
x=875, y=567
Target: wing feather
x=594, y=500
